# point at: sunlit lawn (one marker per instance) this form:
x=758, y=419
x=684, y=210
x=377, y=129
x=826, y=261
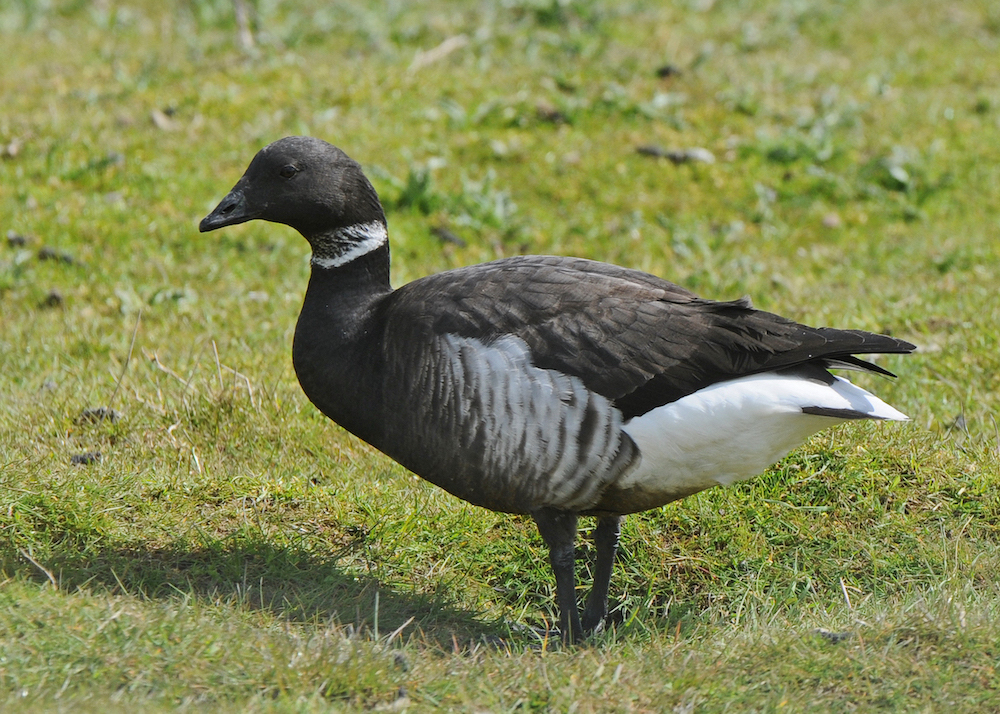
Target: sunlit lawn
x=215, y=543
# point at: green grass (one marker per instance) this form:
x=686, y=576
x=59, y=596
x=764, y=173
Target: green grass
x=232, y=550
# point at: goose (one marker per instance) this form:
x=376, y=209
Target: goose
x=554, y=387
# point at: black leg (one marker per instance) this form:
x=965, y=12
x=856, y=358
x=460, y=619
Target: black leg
x=558, y=529
x=606, y=541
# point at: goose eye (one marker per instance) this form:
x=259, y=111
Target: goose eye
x=288, y=171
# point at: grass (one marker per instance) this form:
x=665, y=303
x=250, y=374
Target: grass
x=231, y=550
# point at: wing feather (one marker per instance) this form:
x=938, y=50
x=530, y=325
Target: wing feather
x=637, y=340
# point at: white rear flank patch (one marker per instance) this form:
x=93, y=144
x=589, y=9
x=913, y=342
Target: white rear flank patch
x=733, y=430
x=345, y=244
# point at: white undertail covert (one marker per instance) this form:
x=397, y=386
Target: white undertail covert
x=736, y=429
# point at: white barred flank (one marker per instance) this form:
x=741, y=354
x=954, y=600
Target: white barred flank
x=531, y=420
x=348, y=243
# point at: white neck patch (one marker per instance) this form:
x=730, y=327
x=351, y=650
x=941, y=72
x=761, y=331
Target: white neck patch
x=345, y=244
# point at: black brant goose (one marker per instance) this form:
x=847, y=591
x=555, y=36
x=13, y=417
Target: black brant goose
x=548, y=386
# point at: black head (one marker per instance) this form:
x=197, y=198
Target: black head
x=303, y=182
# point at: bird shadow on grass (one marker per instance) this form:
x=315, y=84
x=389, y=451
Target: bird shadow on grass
x=289, y=583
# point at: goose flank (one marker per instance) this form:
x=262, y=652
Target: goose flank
x=541, y=385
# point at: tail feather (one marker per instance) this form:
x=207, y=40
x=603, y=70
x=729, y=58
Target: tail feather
x=855, y=364
x=852, y=402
